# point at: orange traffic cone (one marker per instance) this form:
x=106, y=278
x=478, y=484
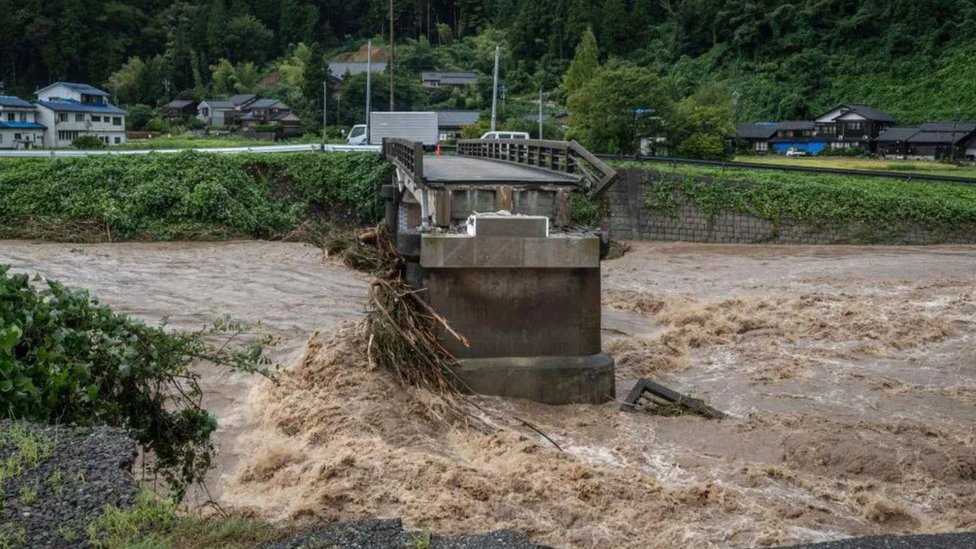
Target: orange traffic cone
x=438, y=149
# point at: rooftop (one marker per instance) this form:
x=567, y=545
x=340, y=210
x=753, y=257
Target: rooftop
x=86, y=89
x=21, y=126
x=339, y=69
x=242, y=99
x=795, y=125
x=896, y=134
x=70, y=105
x=755, y=131
x=218, y=104
x=179, y=103
x=266, y=103
x=12, y=101
x=457, y=118
x=938, y=137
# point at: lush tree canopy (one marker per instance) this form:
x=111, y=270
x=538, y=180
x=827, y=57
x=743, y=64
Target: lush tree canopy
x=778, y=58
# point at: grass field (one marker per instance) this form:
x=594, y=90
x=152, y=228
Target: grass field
x=912, y=166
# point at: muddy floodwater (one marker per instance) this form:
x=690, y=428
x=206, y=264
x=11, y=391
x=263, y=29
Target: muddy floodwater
x=849, y=373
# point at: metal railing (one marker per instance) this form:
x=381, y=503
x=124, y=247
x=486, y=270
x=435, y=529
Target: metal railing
x=406, y=155
x=310, y=147
x=905, y=176
x=562, y=156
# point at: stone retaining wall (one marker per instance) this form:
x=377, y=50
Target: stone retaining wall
x=630, y=219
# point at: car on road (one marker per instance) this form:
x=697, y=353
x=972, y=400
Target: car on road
x=505, y=135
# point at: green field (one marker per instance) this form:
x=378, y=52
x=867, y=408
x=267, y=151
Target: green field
x=908, y=166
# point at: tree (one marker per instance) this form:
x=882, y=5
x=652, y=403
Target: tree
x=619, y=105
x=127, y=82
x=702, y=124
x=585, y=63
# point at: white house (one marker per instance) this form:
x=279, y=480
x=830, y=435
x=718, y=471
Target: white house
x=216, y=113
x=19, y=128
x=70, y=110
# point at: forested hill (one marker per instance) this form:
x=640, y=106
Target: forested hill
x=778, y=58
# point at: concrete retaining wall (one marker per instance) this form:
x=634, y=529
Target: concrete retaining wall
x=630, y=219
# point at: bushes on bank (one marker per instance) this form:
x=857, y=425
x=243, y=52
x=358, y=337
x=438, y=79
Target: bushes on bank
x=67, y=359
x=186, y=195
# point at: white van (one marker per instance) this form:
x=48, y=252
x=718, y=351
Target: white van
x=505, y=135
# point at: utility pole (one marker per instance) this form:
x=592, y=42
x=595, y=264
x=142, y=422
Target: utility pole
x=325, y=103
x=494, y=93
x=540, y=113
x=369, y=82
x=392, y=55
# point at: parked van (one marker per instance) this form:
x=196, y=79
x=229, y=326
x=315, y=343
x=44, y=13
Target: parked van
x=505, y=135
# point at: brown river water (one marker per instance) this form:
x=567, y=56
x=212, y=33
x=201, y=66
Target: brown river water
x=849, y=373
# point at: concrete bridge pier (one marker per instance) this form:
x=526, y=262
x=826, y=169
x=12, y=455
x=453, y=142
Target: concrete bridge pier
x=529, y=305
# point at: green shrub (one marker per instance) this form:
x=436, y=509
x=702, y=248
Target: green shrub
x=66, y=358
x=851, y=151
x=186, y=195
x=267, y=128
x=582, y=211
x=87, y=142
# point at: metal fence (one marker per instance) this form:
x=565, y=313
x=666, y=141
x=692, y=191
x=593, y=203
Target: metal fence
x=905, y=176
x=307, y=147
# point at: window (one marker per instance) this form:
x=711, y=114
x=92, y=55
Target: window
x=68, y=135
x=62, y=117
x=16, y=137
x=116, y=120
x=79, y=118
x=855, y=125
x=23, y=117
x=96, y=118
x=10, y=117
x=762, y=146
x=118, y=140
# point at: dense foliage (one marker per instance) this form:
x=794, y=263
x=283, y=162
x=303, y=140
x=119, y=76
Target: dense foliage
x=65, y=358
x=780, y=59
x=185, y=195
x=878, y=208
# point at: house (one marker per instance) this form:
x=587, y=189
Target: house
x=216, y=113
x=894, y=142
x=941, y=140
x=19, y=128
x=755, y=137
x=849, y=125
x=799, y=135
x=69, y=110
x=290, y=124
x=261, y=112
x=242, y=100
x=339, y=69
x=450, y=123
x=439, y=79
x=178, y=109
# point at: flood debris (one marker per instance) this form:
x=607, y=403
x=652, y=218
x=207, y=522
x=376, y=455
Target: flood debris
x=657, y=398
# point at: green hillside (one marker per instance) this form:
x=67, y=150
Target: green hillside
x=777, y=59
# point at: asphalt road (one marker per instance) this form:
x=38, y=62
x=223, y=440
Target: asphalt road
x=937, y=541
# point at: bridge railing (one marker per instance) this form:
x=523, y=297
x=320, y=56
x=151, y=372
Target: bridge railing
x=407, y=155
x=561, y=156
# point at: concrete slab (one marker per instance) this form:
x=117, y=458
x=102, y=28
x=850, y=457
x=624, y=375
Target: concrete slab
x=488, y=225
x=461, y=251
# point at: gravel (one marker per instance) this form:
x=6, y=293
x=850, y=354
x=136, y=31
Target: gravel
x=49, y=500
x=936, y=541
x=389, y=534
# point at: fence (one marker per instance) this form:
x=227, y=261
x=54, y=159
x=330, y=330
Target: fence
x=309, y=147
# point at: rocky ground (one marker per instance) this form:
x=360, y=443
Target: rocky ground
x=389, y=534
x=55, y=480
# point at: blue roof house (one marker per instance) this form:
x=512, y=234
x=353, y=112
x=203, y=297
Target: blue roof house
x=19, y=128
x=70, y=110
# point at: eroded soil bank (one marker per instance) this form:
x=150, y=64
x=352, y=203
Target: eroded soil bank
x=849, y=372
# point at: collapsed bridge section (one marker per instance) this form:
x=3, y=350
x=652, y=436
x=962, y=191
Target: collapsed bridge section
x=481, y=232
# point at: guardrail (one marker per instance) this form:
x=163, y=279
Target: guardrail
x=406, y=155
x=906, y=176
x=305, y=147
x=562, y=156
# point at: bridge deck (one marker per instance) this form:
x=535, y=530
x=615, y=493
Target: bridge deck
x=467, y=170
